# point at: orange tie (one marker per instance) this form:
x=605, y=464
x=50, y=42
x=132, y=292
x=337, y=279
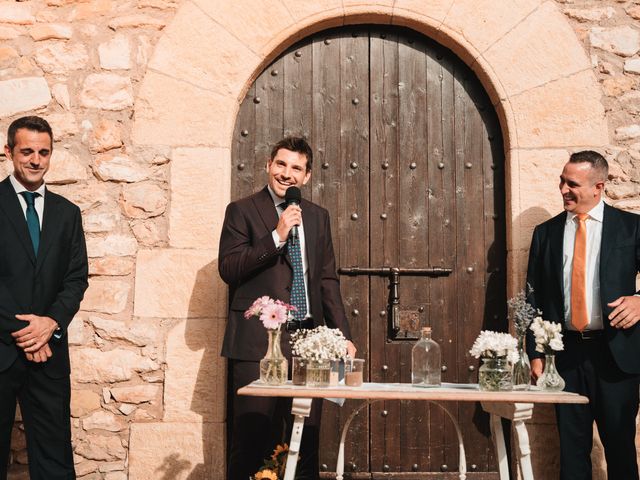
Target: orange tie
x=579, y=316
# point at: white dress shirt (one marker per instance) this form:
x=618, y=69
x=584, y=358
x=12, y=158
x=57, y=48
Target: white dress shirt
x=38, y=200
x=303, y=248
x=594, y=240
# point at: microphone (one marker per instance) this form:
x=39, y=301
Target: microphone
x=293, y=196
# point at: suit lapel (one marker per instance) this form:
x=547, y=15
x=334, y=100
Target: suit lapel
x=51, y=219
x=310, y=237
x=266, y=209
x=10, y=205
x=556, y=235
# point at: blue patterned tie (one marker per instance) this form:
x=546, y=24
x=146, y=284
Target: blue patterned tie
x=32, y=219
x=298, y=293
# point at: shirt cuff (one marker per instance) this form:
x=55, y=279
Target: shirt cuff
x=276, y=240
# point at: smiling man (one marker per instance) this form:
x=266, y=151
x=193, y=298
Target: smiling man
x=582, y=269
x=43, y=276
x=255, y=260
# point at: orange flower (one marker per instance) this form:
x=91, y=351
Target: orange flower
x=266, y=474
x=279, y=450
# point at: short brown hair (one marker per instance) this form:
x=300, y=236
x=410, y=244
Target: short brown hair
x=596, y=160
x=33, y=123
x=294, y=144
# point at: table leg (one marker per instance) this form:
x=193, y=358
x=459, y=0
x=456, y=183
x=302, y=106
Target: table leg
x=300, y=408
x=517, y=413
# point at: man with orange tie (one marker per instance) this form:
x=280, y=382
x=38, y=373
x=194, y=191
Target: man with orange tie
x=582, y=268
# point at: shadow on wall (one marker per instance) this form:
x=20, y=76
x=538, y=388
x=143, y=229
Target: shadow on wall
x=205, y=379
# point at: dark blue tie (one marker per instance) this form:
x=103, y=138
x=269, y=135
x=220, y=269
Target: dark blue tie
x=32, y=219
x=298, y=293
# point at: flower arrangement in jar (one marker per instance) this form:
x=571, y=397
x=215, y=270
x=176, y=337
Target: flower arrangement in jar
x=318, y=347
x=498, y=352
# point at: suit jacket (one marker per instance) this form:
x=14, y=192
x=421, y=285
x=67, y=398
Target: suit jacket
x=252, y=266
x=619, y=265
x=52, y=284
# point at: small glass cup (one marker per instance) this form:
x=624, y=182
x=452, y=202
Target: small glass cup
x=299, y=371
x=334, y=376
x=353, y=372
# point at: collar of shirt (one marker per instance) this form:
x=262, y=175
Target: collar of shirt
x=276, y=199
x=18, y=187
x=596, y=213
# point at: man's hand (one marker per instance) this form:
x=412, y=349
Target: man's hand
x=351, y=349
x=35, y=335
x=537, y=366
x=626, y=312
x=291, y=217
x=41, y=355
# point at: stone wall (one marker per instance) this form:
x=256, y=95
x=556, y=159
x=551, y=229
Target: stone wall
x=148, y=384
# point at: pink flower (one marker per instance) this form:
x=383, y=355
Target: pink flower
x=257, y=306
x=273, y=316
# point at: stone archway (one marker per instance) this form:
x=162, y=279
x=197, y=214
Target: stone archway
x=526, y=55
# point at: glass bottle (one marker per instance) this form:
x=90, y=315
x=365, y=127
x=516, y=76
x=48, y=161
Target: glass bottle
x=425, y=361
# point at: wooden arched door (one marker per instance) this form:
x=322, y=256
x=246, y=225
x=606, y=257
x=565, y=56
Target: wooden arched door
x=409, y=162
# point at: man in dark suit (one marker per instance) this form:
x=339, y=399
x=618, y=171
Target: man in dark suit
x=43, y=276
x=254, y=261
x=582, y=268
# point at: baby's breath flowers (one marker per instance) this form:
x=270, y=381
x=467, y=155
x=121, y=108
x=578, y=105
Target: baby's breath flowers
x=321, y=343
x=495, y=345
x=547, y=335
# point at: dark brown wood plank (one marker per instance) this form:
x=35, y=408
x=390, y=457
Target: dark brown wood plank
x=243, y=156
x=267, y=102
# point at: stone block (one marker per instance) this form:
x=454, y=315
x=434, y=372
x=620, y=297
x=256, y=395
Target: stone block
x=565, y=112
x=100, y=222
x=61, y=58
x=118, y=168
x=143, y=200
x=105, y=136
x=137, y=394
x=538, y=197
x=9, y=33
x=199, y=196
x=195, y=380
x=590, y=14
x=150, y=233
x=16, y=13
x=116, y=53
x=107, y=91
x=174, y=283
x=240, y=19
x=102, y=448
x=117, y=245
x=77, y=331
x=179, y=451
x=433, y=9
x=106, y=296
x=483, y=22
x=137, y=21
x=102, y=420
x=90, y=365
x=195, y=49
x=66, y=168
x=63, y=124
x=83, y=402
x=541, y=48
x=51, y=31
x=137, y=332
x=173, y=112
x=623, y=41
x=23, y=94
x=309, y=8
x=61, y=94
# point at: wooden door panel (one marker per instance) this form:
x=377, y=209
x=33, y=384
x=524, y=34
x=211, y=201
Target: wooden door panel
x=408, y=160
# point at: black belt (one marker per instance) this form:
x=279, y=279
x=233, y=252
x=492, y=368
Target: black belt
x=584, y=336
x=295, y=325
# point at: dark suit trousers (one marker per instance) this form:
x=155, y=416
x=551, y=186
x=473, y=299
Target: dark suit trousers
x=45, y=407
x=589, y=369
x=258, y=424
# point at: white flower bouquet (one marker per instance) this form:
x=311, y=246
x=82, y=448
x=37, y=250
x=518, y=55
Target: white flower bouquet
x=321, y=343
x=547, y=335
x=495, y=345
x=272, y=313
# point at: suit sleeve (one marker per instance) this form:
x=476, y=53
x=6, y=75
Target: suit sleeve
x=332, y=305
x=238, y=256
x=74, y=284
x=533, y=281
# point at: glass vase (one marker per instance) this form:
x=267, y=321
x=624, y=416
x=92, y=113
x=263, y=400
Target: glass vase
x=273, y=367
x=298, y=371
x=318, y=373
x=495, y=375
x=550, y=380
x=522, y=368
